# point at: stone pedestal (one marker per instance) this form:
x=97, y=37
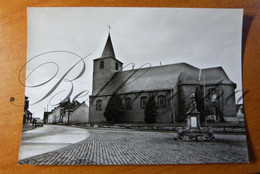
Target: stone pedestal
x=231, y=119
x=194, y=132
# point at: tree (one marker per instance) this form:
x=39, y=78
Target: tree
x=114, y=109
x=150, y=110
x=200, y=101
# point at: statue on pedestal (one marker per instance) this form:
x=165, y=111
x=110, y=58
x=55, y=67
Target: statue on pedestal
x=193, y=131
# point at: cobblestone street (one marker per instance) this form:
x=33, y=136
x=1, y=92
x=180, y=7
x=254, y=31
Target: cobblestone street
x=112, y=147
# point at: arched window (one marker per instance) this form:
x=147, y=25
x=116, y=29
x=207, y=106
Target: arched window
x=101, y=65
x=161, y=102
x=143, y=102
x=116, y=66
x=128, y=103
x=212, y=94
x=99, y=105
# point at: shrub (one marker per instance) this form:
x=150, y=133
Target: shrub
x=150, y=110
x=114, y=109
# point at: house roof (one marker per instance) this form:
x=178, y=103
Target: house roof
x=161, y=78
x=214, y=76
x=79, y=105
x=76, y=105
x=208, y=76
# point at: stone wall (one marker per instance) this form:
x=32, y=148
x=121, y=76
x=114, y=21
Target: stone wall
x=94, y=115
x=166, y=114
x=229, y=105
x=102, y=76
x=175, y=109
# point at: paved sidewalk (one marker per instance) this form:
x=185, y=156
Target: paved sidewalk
x=113, y=147
x=27, y=126
x=49, y=138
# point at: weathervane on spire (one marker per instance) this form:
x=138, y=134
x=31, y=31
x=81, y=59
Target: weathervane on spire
x=109, y=28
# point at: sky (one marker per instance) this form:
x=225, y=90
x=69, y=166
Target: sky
x=60, y=37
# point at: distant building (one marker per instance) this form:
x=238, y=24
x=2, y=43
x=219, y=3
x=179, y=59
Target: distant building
x=172, y=86
x=54, y=116
x=27, y=115
x=45, y=117
x=78, y=114
x=69, y=113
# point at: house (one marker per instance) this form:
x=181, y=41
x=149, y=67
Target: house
x=68, y=113
x=172, y=85
x=57, y=114
x=78, y=114
x=27, y=115
x=45, y=117
x=54, y=116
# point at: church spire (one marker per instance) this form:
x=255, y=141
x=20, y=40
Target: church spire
x=108, y=50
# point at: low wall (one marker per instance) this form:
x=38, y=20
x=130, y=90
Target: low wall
x=217, y=128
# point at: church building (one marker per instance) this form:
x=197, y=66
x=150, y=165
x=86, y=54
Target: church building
x=172, y=86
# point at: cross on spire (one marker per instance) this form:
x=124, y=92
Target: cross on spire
x=108, y=49
x=109, y=28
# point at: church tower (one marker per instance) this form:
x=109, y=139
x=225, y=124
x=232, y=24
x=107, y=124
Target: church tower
x=105, y=66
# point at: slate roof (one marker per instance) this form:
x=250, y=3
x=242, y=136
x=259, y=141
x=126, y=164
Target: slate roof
x=76, y=105
x=158, y=77
x=215, y=75
x=162, y=78
x=108, y=51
